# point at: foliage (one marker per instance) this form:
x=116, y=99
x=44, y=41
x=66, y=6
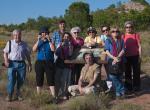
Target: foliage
x=78, y=15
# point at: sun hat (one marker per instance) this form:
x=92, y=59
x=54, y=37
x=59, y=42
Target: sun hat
x=91, y=29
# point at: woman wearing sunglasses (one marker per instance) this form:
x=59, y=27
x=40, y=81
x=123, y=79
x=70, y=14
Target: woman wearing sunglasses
x=92, y=40
x=132, y=56
x=114, y=47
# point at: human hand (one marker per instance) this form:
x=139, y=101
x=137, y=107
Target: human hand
x=81, y=90
x=6, y=63
x=48, y=38
x=115, y=59
x=39, y=36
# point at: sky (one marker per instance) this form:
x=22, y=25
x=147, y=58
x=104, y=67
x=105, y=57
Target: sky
x=18, y=11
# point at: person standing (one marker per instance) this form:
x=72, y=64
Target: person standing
x=44, y=61
x=132, y=57
x=77, y=43
x=63, y=72
x=114, y=47
x=105, y=33
x=57, y=35
x=92, y=40
x=16, y=52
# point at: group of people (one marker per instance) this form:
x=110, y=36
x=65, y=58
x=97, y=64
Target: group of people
x=122, y=50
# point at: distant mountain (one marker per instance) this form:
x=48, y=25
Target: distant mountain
x=143, y=2
x=134, y=6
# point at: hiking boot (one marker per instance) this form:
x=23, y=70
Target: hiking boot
x=52, y=101
x=19, y=98
x=9, y=98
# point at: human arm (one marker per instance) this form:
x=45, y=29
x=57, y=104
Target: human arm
x=5, y=55
x=35, y=47
x=139, y=45
x=108, y=49
x=6, y=60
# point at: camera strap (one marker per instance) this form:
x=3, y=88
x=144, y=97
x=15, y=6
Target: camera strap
x=9, y=46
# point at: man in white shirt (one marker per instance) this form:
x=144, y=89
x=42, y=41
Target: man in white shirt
x=16, y=52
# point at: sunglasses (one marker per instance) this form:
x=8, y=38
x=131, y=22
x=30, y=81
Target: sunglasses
x=76, y=32
x=91, y=32
x=129, y=26
x=105, y=30
x=115, y=31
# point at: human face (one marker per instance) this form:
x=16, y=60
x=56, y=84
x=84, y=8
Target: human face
x=44, y=35
x=17, y=36
x=88, y=59
x=115, y=33
x=75, y=34
x=105, y=30
x=129, y=28
x=91, y=33
x=62, y=26
x=66, y=37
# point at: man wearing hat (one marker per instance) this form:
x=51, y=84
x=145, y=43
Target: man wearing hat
x=44, y=61
x=93, y=41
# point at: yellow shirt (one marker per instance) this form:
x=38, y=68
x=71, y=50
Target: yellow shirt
x=97, y=40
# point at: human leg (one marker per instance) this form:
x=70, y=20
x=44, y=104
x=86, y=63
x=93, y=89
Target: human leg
x=39, y=75
x=136, y=74
x=128, y=74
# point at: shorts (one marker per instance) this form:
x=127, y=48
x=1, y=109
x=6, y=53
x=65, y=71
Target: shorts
x=42, y=67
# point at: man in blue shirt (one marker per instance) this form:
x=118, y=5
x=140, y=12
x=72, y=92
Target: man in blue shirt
x=57, y=35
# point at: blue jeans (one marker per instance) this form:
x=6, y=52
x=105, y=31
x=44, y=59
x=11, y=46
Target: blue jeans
x=16, y=74
x=117, y=84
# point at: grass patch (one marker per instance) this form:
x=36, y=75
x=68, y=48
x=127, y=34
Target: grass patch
x=126, y=106
x=88, y=102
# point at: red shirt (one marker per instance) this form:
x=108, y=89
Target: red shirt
x=131, y=44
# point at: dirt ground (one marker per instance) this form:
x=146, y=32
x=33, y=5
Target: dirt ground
x=142, y=98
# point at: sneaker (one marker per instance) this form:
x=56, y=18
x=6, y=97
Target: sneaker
x=9, y=98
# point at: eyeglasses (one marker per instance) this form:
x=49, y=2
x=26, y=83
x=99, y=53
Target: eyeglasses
x=129, y=26
x=91, y=32
x=105, y=30
x=76, y=32
x=115, y=31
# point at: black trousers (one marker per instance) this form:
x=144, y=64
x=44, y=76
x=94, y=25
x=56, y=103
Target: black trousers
x=132, y=65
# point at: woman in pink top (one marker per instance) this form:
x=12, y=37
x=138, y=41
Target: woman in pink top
x=77, y=41
x=132, y=56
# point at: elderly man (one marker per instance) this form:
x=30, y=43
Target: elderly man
x=89, y=79
x=15, y=53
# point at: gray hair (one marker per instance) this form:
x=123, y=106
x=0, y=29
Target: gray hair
x=128, y=22
x=16, y=31
x=75, y=29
